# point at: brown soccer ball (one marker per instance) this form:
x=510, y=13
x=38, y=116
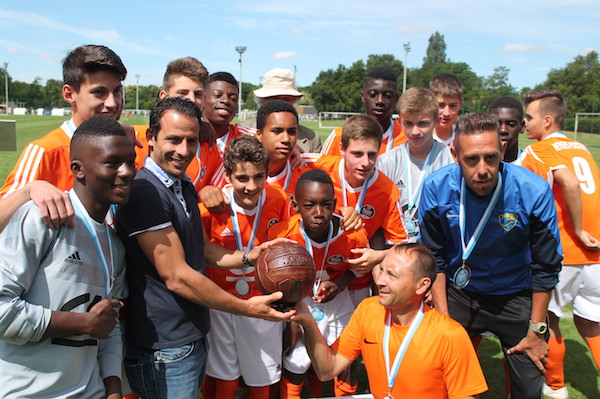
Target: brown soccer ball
x=285, y=267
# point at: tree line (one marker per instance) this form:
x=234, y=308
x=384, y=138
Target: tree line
x=338, y=89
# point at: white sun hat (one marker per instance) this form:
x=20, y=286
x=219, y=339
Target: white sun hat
x=278, y=82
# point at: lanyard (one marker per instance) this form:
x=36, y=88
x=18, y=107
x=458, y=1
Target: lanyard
x=362, y=192
x=87, y=221
x=309, y=248
x=392, y=372
x=390, y=142
x=288, y=176
x=467, y=249
x=222, y=143
x=412, y=199
x=237, y=231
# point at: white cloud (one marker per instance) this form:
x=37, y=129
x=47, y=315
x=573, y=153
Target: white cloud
x=11, y=50
x=587, y=50
x=410, y=28
x=47, y=56
x=285, y=55
x=523, y=48
x=298, y=32
x=454, y=27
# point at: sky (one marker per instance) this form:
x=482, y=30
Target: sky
x=529, y=37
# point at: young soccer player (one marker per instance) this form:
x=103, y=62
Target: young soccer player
x=408, y=165
x=242, y=346
x=574, y=178
x=509, y=112
x=92, y=78
x=379, y=94
x=61, y=287
x=320, y=231
x=449, y=91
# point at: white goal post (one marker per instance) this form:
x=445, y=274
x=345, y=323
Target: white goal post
x=335, y=118
x=577, y=121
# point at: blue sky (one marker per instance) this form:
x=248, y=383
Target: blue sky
x=529, y=37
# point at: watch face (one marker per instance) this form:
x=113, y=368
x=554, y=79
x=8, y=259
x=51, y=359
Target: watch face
x=542, y=328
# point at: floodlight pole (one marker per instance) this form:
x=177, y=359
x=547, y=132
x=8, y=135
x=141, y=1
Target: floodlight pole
x=406, y=51
x=240, y=50
x=137, y=94
x=6, y=86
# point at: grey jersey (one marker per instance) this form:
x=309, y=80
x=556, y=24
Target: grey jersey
x=41, y=270
x=394, y=163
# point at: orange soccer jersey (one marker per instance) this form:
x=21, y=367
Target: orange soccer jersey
x=555, y=152
x=333, y=144
x=219, y=228
x=380, y=207
x=440, y=361
x=335, y=264
x=46, y=158
x=286, y=179
x=212, y=156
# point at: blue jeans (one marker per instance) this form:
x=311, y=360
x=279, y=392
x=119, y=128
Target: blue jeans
x=167, y=373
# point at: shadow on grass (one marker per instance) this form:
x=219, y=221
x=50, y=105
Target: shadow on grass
x=580, y=370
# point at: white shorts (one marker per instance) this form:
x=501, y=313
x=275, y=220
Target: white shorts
x=357, y=296
x=331, y=317
x=579, y=284
x=244, y=346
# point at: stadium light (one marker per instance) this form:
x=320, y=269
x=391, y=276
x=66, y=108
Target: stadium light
x=240, y=50
x=406, y=51
x=6, y=86
x=137, y=95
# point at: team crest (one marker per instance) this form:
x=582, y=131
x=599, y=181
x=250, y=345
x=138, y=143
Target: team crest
x=367, y=211
x=335, y=259
x=202, y=172
x=508, y=221
x=272, y=222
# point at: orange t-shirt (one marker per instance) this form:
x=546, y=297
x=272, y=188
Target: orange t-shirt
x=212, y=156
x=333, y=144
x=286, y=179
x=332, y=264
x=46, y=158
x=555, y=152
x=440, y=361
x=381, y=206
x=219, y=229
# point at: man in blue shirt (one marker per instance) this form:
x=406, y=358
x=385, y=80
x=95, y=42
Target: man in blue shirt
x=493, y=229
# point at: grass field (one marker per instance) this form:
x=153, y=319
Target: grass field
x=581, y=373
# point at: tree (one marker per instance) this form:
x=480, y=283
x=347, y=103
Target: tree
x=436, y=51
x=375, y=60
x=52, y=93
x=249, y=101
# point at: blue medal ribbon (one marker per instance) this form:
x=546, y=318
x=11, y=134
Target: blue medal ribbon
x=309, y=248
x=413, y=199
x=363, y=190
x=237, y=232
x=88, y=222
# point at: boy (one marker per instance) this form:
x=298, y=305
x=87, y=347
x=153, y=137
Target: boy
x=449, y=91
x=379, y=94
x=60, y=287
x=574, y=178
x=318, y=229
x=243, y=346
x=509, y=112
x=93, y=77
x=408, y=165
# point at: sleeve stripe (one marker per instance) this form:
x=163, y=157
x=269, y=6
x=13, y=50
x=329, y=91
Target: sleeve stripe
x=530, y=151
x=28, y=167
x=217, y=179
x=328, y=142
x=153, y=228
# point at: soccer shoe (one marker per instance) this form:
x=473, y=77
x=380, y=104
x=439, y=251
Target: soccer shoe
x=560, y=393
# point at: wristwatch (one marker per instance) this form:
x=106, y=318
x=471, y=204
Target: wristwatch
x=245, y=259
x=538, y=328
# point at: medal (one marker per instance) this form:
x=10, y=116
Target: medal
x=388, y=396
x=317, y=314
x=410, y=225
x=462, y=276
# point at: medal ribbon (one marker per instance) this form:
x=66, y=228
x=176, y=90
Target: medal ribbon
x=362, y=192
x=412, y=199
x=392, y=372
x=390, y=142
x=467, y=249
x=237, y=231
x=222, y=143
x=87, y=221
x=309, y=248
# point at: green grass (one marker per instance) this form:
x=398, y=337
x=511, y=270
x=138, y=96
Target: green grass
x=581, y=373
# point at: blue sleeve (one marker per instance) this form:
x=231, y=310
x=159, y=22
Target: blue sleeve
x=546, y=249
x=430, y=226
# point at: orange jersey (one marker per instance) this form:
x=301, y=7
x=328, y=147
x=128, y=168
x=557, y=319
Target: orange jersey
x=47, y=158
x=286, y=179
x=332, y=264
x=555, y=152
x=333, y=144
x=440, y=361
x=381, y=205
x=219, y=228
x=212, y=156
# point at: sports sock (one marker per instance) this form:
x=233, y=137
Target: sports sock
x=343, y=388
x=315, y=386
x=594, y=344
x=555, y=368
x=214, y=388
x=260, y=392
x=289, y=390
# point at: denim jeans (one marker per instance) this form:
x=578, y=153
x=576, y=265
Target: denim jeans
x=167, y=373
